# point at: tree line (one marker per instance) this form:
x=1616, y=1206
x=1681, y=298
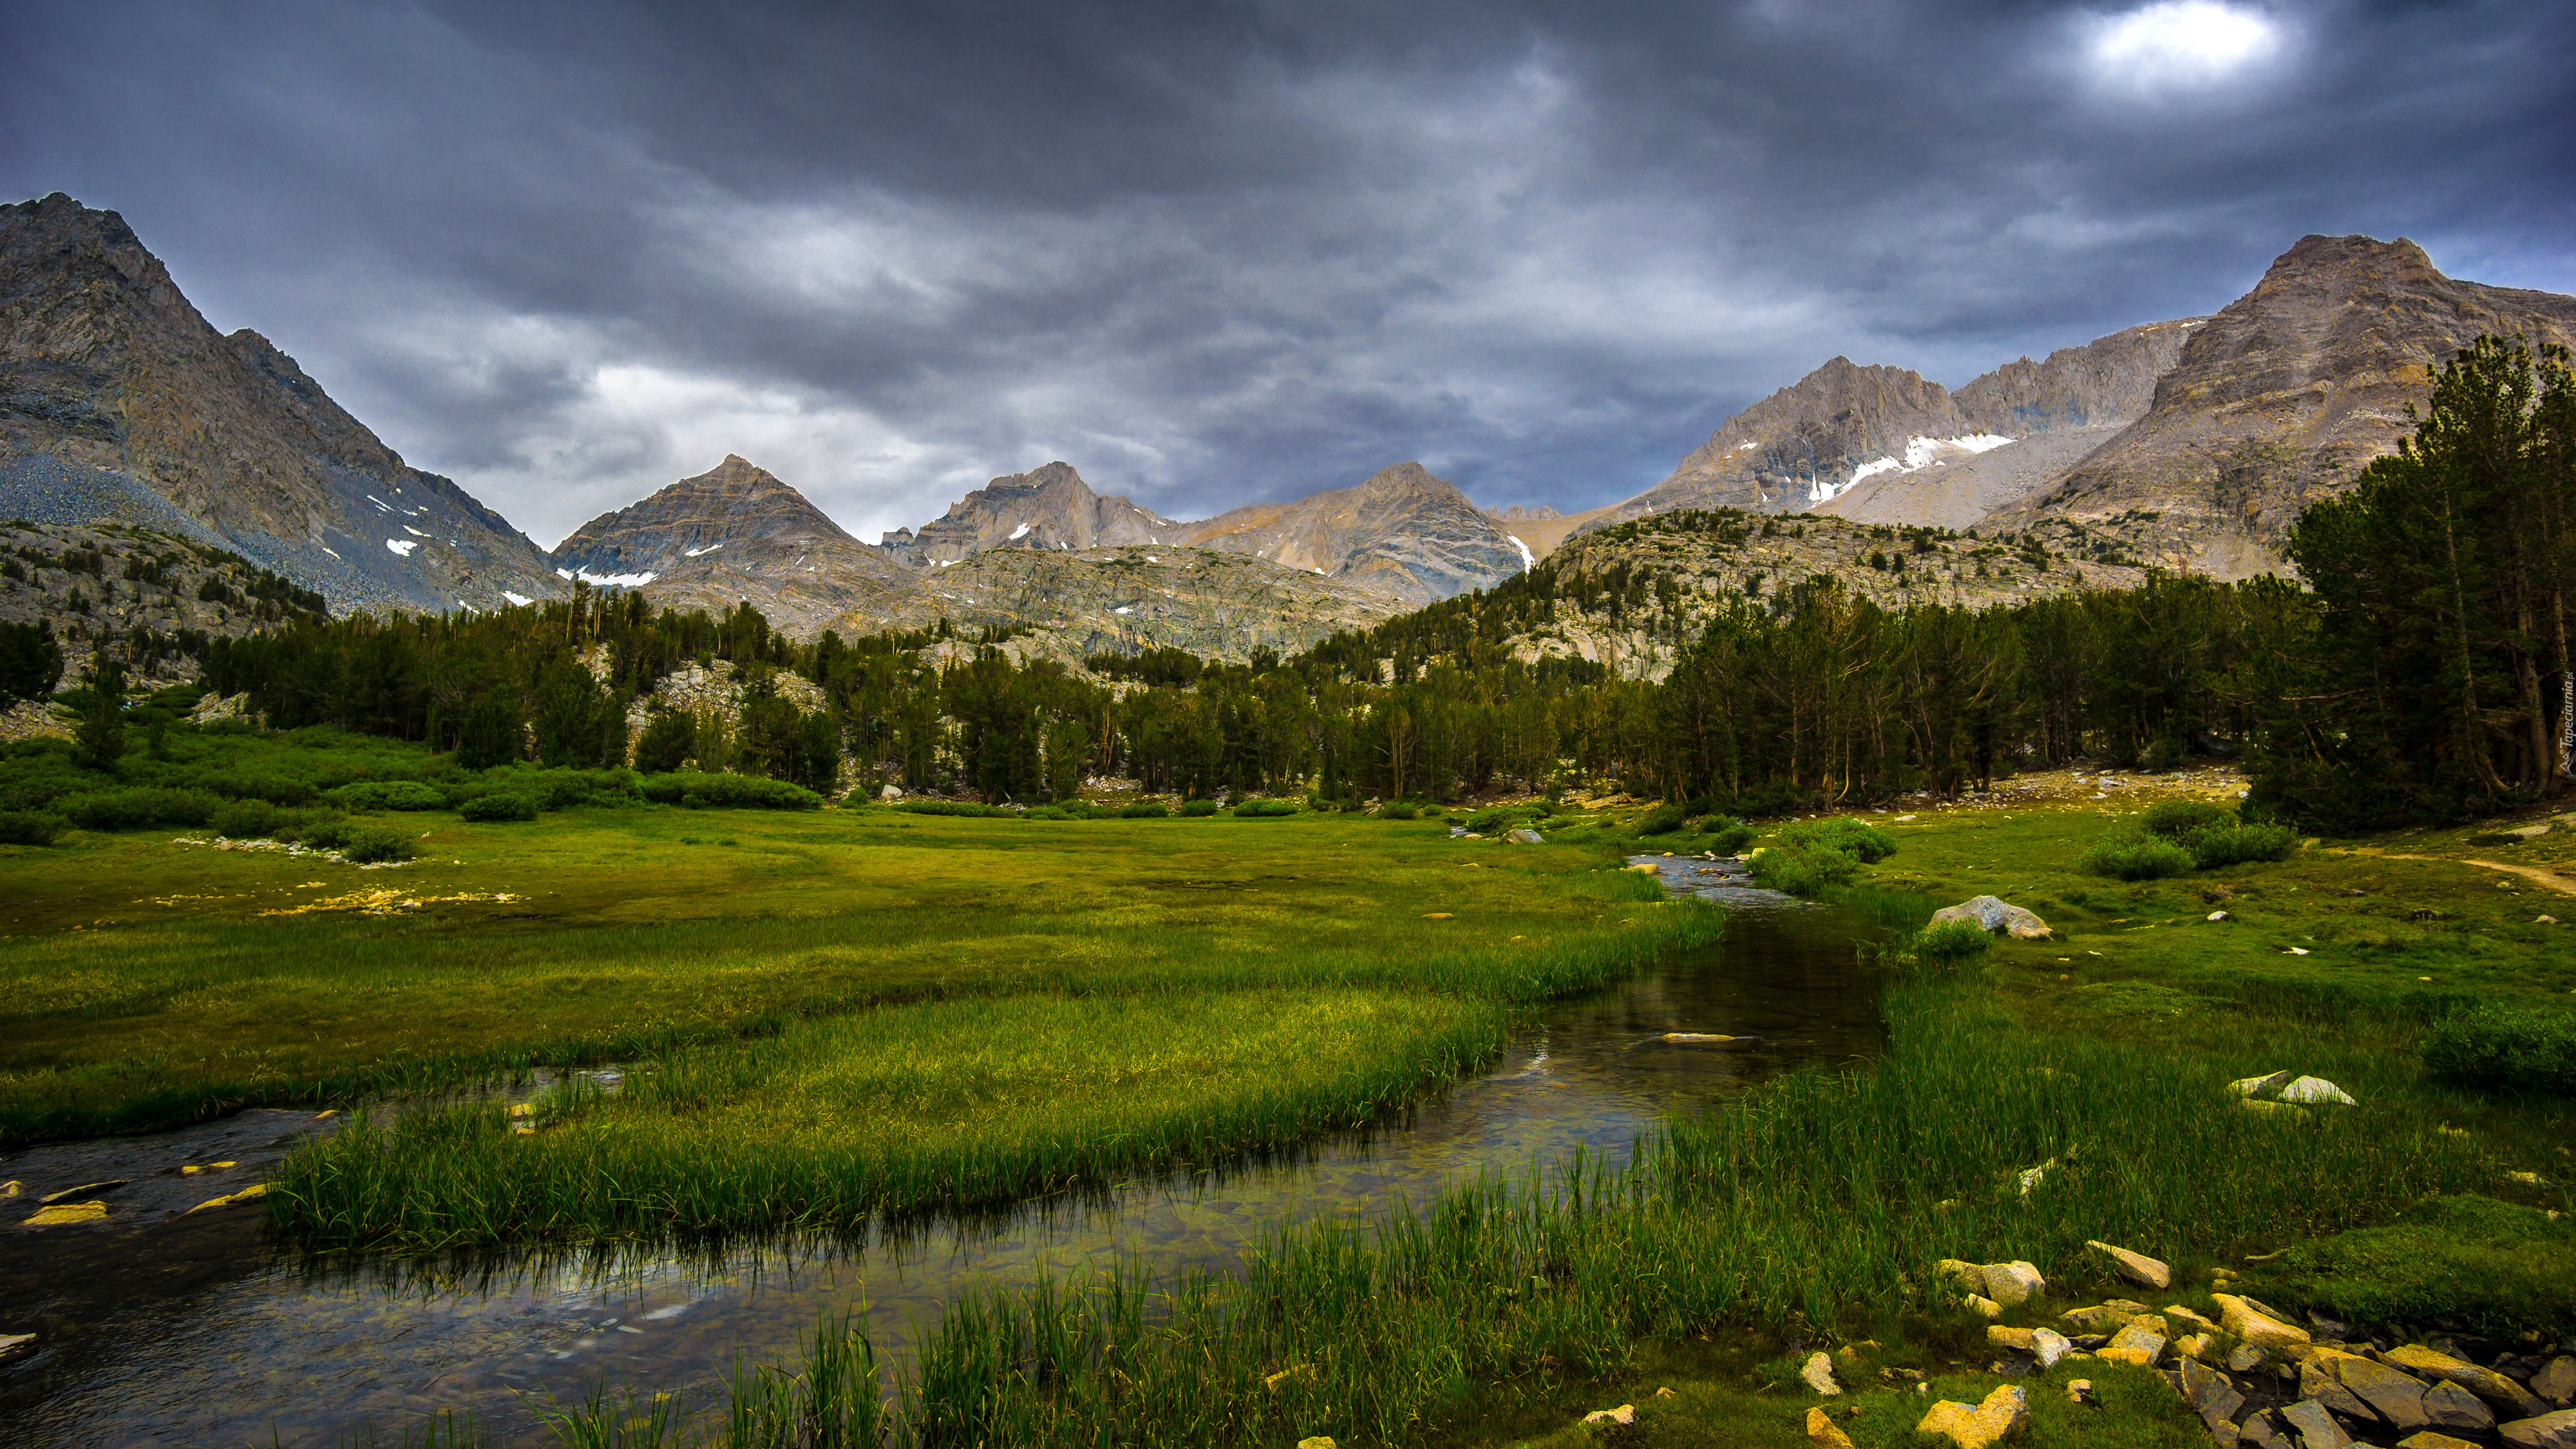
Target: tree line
x=2410, y=679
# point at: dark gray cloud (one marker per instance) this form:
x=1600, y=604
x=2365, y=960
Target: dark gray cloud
x=1212, y=253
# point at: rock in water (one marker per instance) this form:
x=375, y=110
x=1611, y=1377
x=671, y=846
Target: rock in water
x=2138, y=1268
x=2003, y=1413
x=59, y=1214
x=1994, y=914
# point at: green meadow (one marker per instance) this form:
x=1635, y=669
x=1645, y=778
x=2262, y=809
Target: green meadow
x=820, y=1013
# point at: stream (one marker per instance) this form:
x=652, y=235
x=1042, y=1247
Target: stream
x=194, y=1329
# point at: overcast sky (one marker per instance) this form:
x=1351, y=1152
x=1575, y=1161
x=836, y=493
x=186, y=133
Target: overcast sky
x=1209, y=254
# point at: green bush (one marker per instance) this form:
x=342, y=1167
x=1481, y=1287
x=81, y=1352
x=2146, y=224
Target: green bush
x=1400, y=810
x=1047, y=812
x=1662, y=820
x=1732, y=840
x=2515, y=1048
x=2234, y=844
x=328, y=832
x=1198, y=809
x=753, y=792
x=275, y=789
x=1264, y=809
x=499, y=806
x=387, y=795
x=28, y=827
x=138, y=806
x=1951, y=942
x=1843, y=835
x=247, y=820
x=1143, y=810
x=2135, y=857
x=917, y=807
x=374, y=846
x=1801, y=870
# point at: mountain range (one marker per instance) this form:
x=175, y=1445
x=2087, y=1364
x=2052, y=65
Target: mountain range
x=2191, y=443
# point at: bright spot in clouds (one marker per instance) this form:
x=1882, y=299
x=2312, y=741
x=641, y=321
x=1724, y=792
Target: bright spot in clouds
x=2175, y=44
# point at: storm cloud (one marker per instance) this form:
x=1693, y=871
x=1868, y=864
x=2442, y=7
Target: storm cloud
x=1211, y=254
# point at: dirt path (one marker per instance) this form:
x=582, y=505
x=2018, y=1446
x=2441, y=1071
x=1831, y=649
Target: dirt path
x=2548, y=879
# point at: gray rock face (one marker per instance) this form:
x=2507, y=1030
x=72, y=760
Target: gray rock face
x=112, y=383
x=1403, y=533
x=1992, y=913
x=1802, y=446
x=1045, y=508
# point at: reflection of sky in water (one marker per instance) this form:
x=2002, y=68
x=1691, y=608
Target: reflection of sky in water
x=192, y=1335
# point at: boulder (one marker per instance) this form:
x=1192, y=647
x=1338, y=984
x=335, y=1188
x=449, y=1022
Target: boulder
x=1818, y=1376
x=1994, y=914
x=2135, y=1345
x=2311, y=1091
x=2251, y=1325
x=2557, y=1381
x=2541, y=1431
x=2259, y=1431
x=1980, y=1304
x=2265, y=1087
x=2195, y=1345
x=2487, y=1384
x=2452, y=1407
x=1319, y=1441
x=2080, y=1391
x=2317, y=1381
x=2311, y=1427
x=2244, y=1358
x=1624, y=1414
x=2013, y=1284
x=2002, y=1414
x=2212, y=1397
x=1523, y=836
x=2429, y=1439
x=2138, y=1268
x=1823, y=1433
x=2397, y=1398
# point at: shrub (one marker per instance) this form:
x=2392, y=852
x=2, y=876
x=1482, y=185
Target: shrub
x=1400, y=810
x=373, y=846
x=1801, y=871
x=1951, y=942
x=753, y=792
x=387, y=795
x=247, y=820
x=1047, y=812
x=1731, y=840
x=1264, y=809
x=2232, y=844
x=324, y=833
x=275, y=789
x=946, y=807
x=1662, y=820
x=2135, y=857
x=2495, y=1267
x=2514, y=1048
x=1197, y=809
x=138, y=806
x=28, y=827
x=1143, y=810
x=499, y=806
x=1843, y=835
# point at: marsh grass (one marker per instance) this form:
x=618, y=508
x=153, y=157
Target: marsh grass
x=1816, y=1204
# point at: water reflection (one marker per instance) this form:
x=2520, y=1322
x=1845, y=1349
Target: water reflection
x=197, y=1333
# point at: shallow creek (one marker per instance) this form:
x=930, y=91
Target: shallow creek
x=195, y=1330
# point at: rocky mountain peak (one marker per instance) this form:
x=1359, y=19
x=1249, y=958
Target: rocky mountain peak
x=2281, y=399
x=1046, y=508
x=118, y=402
x=736, y=505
